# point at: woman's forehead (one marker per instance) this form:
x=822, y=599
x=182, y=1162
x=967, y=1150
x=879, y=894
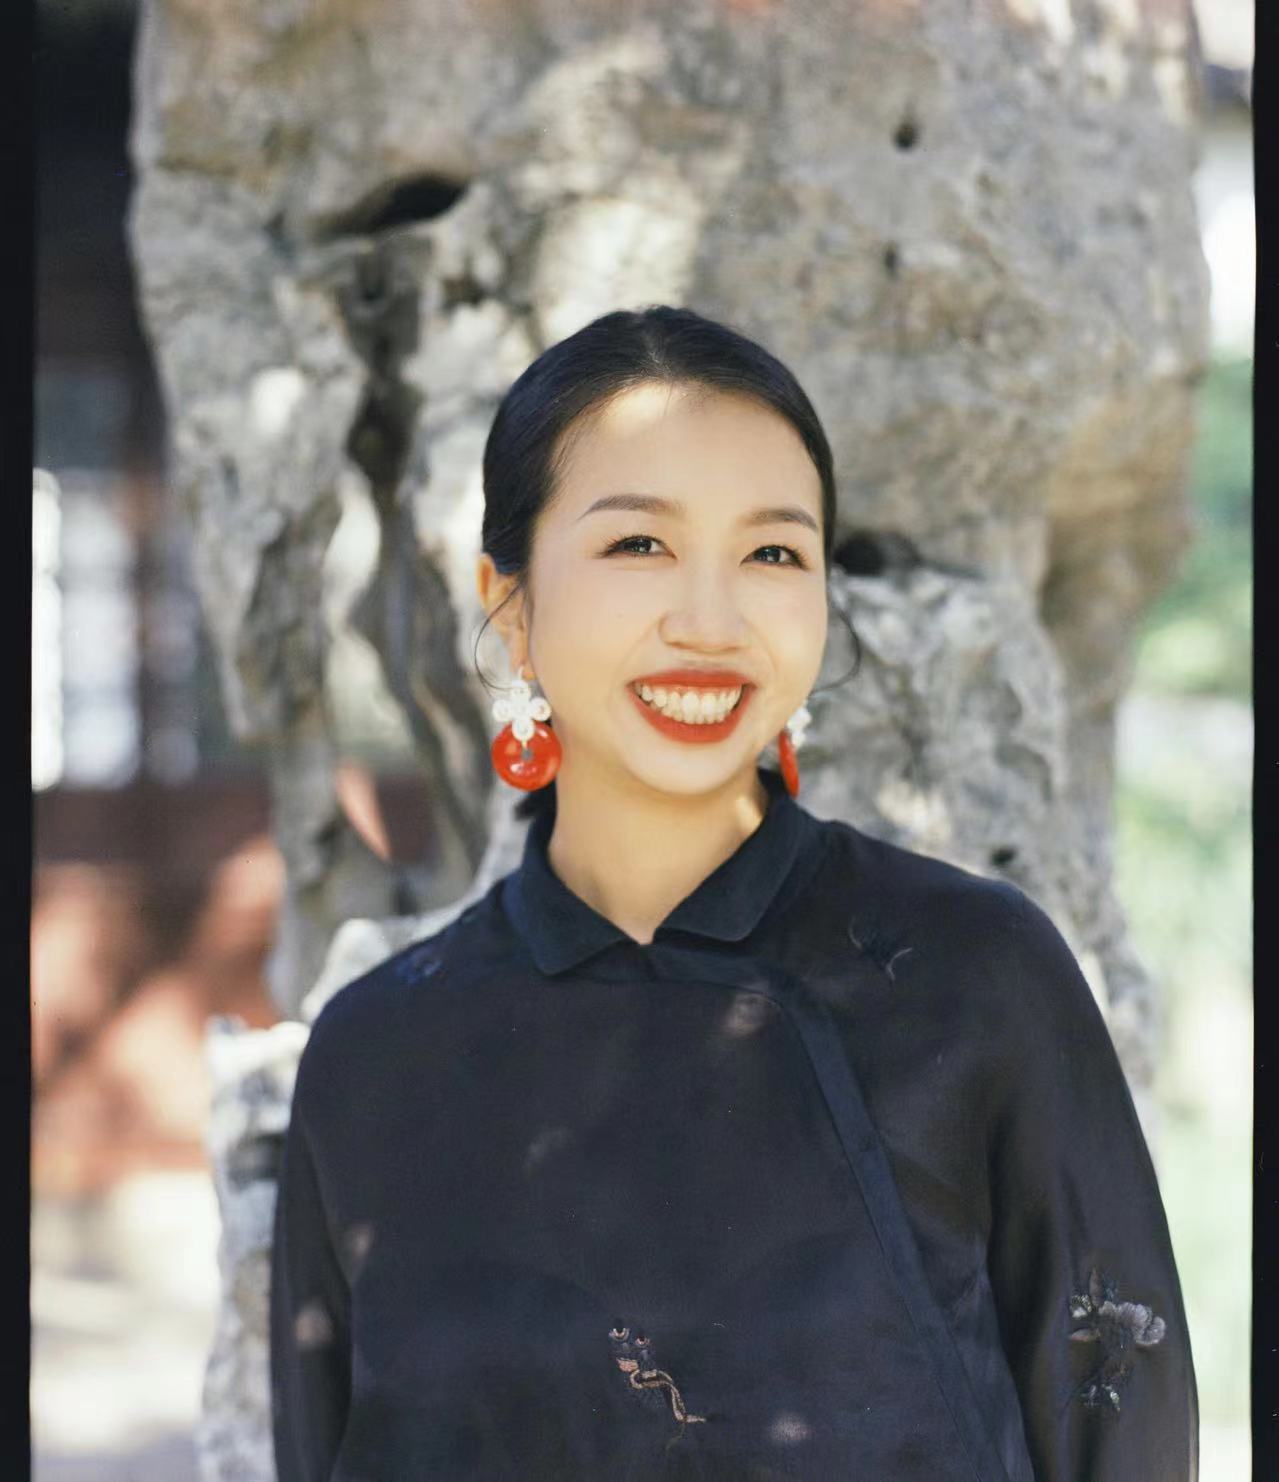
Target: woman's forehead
x=681, y=442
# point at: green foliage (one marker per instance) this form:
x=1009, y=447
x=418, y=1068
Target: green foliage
x=1207, y=1189
x=1196, y=638
x=1183, y=873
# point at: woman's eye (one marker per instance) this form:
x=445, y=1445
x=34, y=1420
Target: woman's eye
x=622, y=547
x=790, y=551
x=619, y=546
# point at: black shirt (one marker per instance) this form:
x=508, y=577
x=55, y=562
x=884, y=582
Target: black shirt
x=838, y=1177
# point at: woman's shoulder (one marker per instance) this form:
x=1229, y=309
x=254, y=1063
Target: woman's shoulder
x=985, y=934
x=892, y=885
x=376, y=977
x=979, y=943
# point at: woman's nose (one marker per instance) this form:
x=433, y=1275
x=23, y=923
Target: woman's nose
x=707, y=612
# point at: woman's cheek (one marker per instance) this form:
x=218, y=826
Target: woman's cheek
x=608, y=595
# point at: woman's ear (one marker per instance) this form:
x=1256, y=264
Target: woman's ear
x=486, y=576
x=492, y=588
x=507, y=616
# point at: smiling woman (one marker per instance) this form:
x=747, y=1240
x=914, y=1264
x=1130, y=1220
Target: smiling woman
x=716, y=1141
x=706, y=436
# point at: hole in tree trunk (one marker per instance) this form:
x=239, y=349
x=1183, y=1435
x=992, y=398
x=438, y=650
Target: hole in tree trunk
x=873, y=552
x=907, y=135
x=396, y=203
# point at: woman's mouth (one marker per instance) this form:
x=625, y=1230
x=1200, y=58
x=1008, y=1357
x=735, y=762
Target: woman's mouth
x=692, y=714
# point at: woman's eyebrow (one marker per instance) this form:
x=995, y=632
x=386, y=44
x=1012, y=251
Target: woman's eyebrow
x=655, y=504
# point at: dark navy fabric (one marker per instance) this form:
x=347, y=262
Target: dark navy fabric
x=818, y=1184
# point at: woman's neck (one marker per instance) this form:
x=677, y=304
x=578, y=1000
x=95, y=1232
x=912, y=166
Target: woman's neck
x=633, y=857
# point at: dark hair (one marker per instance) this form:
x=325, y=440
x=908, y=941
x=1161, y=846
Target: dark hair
x=526, y=447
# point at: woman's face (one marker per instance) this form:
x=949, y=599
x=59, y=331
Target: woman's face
x=712, y=583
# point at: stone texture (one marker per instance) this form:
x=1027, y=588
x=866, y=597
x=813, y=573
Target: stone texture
x=968, y=227
x=253, y=1073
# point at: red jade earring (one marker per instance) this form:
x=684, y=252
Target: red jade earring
x=525, y=752
x=789, y=740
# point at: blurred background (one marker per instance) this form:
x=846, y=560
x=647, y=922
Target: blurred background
x=156, y=881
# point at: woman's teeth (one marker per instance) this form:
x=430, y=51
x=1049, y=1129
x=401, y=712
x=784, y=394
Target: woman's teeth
x=694, y=707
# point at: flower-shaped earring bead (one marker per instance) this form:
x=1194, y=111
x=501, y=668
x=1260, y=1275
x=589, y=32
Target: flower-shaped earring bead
x=521, y=709
x=798, y=724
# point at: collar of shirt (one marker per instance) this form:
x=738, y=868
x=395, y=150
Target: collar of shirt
x=561, y=930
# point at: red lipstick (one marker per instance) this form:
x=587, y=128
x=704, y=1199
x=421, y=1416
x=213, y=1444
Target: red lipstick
x=682, y=730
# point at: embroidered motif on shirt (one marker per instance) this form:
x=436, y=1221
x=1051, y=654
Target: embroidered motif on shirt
x=1117, y=1326
x=417, y=962
x=878, y=950
x=634, y=1357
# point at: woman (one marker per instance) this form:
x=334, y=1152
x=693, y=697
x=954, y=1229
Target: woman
x=715, y=1141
